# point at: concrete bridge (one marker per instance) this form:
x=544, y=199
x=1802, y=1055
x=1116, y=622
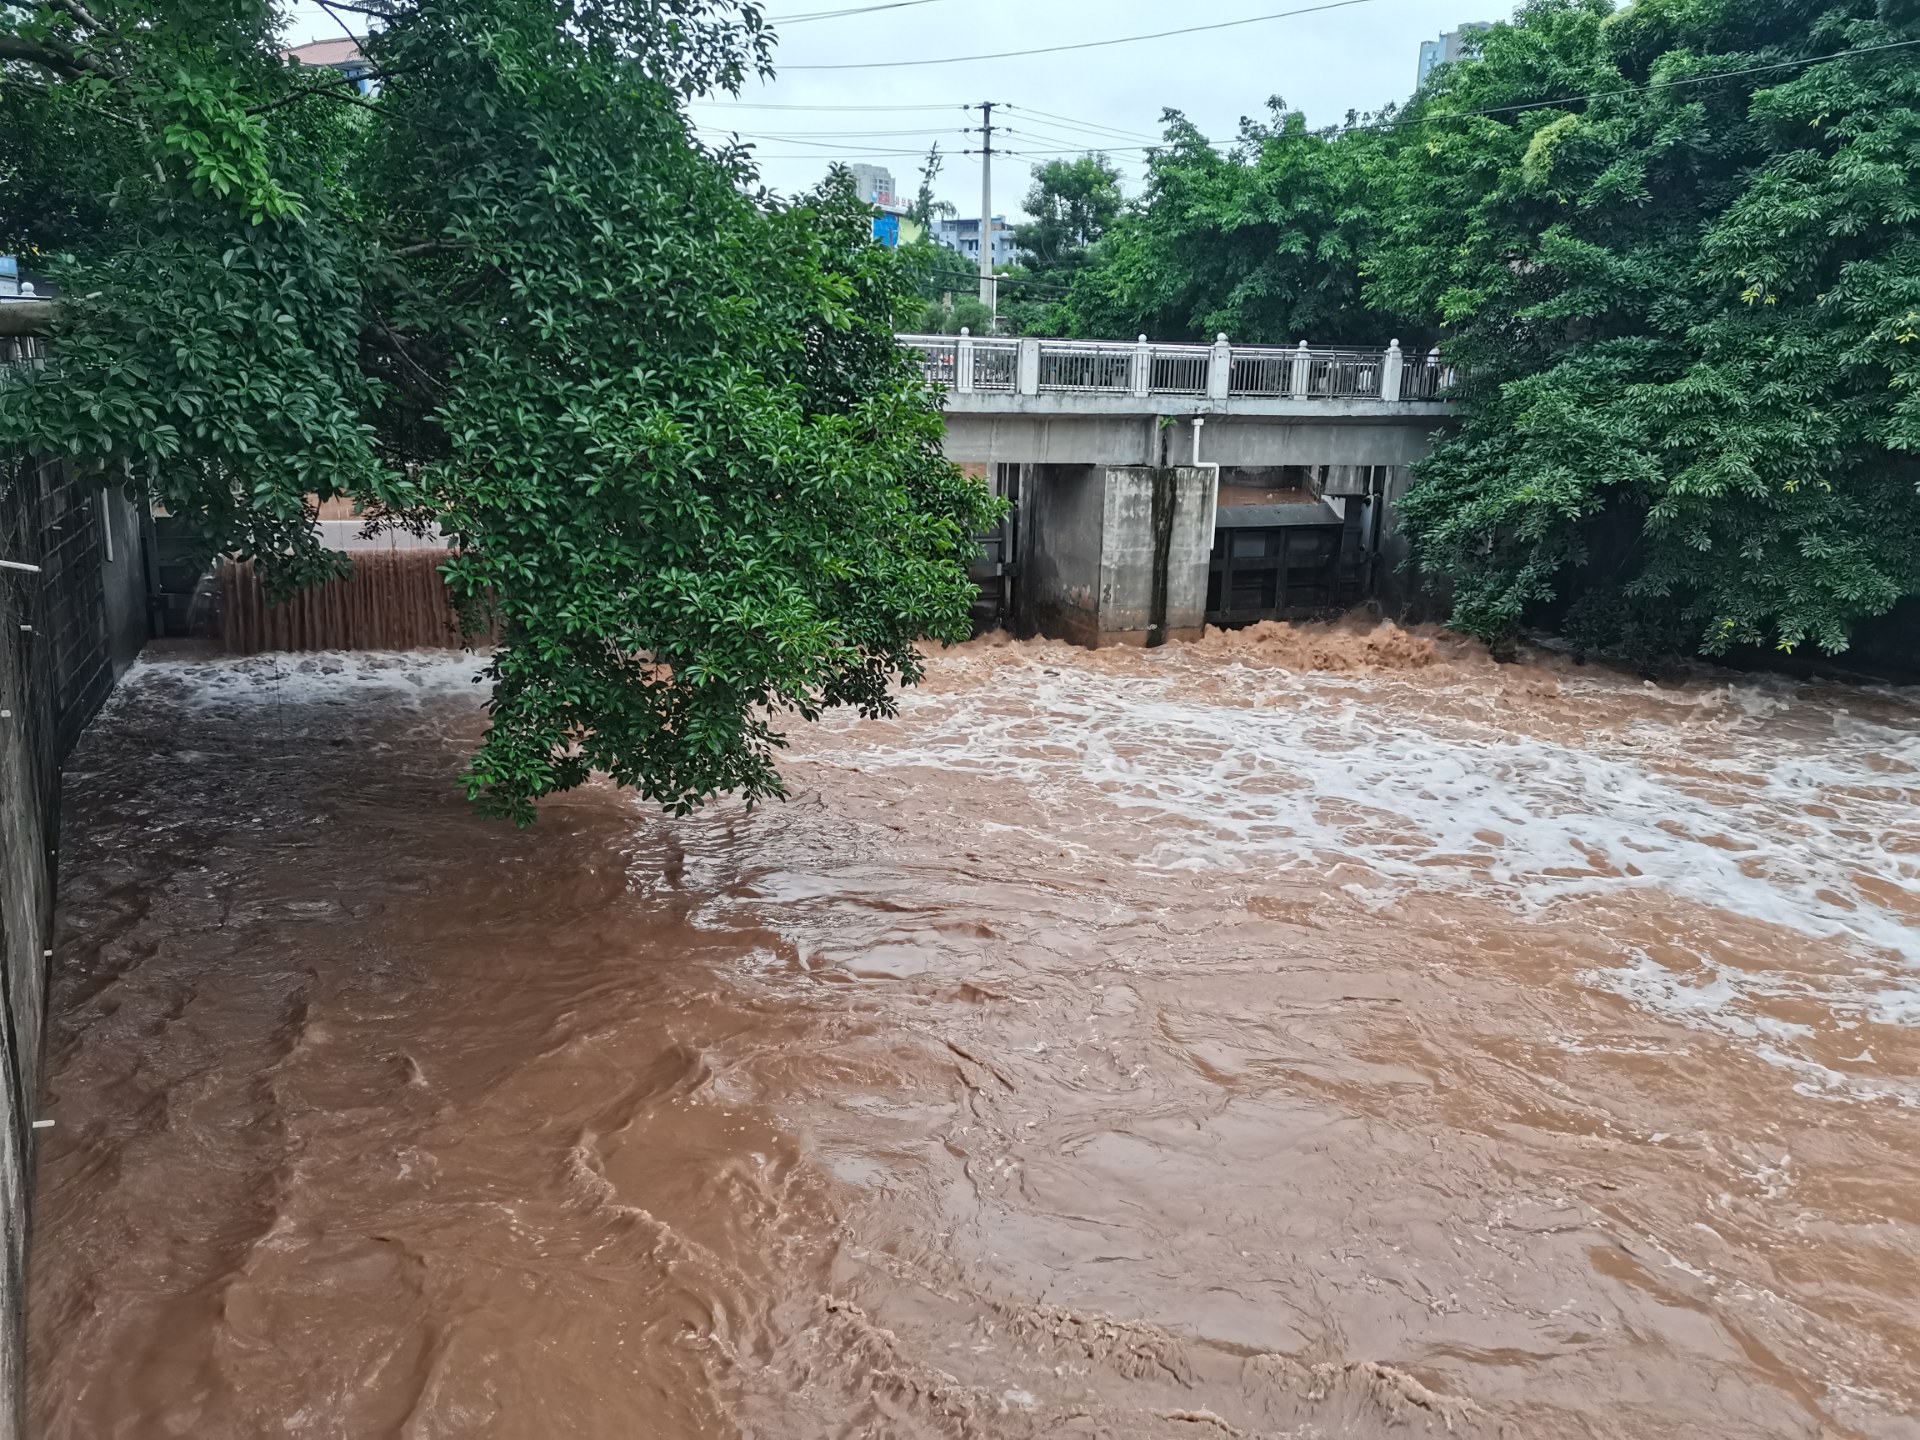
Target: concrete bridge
x=1159, y=488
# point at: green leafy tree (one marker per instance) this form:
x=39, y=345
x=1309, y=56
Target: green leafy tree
x=944, y=280
x=661, y=414
x=1688, y=311
x=1262, y=241
x=213, y=338
x=925, y=209
x=1073, y=203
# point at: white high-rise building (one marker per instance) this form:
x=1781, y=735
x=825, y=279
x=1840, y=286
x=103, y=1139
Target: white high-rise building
x=1448, y=48
x=874, y=182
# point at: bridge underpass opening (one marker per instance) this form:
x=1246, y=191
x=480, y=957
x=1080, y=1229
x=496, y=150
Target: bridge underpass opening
x=1104, y=555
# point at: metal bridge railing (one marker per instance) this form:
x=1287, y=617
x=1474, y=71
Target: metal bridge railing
x=1077, y=365
x=1220, y=371
x=996, y=365
x=1427, y=378
x=1178, y=369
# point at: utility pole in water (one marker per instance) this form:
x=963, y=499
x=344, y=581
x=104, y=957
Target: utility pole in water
x=989, y=288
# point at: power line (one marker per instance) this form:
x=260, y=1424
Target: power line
x=842, y=14
x=1090, y=125
x=1417, y=121
x=1081, y=146
x=823, y=149
x=855, y=155
x=1088, y=144
x=1658, y=85
x=1095, y=128
x=755, y=105
x=1086, y=44
x=835, y=134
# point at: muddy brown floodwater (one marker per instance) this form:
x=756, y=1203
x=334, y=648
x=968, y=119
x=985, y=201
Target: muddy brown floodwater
x=1189, y=1044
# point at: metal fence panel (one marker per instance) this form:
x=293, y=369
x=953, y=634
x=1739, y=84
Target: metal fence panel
x=1179, y=369
x=996, y=365
x=1073, y=365
x=1262, y=372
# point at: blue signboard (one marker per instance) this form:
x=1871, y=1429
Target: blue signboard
x=886, y=229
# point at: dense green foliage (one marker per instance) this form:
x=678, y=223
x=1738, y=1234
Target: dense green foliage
x=1262, y=241
x=1072, y=205
x=661, y=414
x=1689, y=313
x=948, y=284
x=1674, y=249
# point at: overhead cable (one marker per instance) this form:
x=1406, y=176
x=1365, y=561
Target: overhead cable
x=755, y=105
x=1487, y=111
x=832, y=134
x=1415, y=122
x=1072, y=124
x=843, y=14
x=1085, y=44
x=1658, y=84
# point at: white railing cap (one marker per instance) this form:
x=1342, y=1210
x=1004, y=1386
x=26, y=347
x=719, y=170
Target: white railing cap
x=1159, y=344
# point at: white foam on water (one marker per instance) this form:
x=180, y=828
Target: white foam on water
x=1757, y=804
x=309, y=677
x=1324, y=779
x=1753, y=801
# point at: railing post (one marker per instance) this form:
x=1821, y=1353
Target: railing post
x=1142, y=367
x=1391, y=372
x=1029, y=367
x=963, y=362
x=1302, y=372
x=1220, y=369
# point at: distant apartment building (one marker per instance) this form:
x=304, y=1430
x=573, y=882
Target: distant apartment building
x=1448, y=48
x=342, y=55
x=964, y=236
x=891, y=226
x=874, y=182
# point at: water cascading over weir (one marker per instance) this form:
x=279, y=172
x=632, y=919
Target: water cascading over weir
x=394, y=598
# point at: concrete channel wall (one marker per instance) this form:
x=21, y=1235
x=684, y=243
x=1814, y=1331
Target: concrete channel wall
x=69, y=626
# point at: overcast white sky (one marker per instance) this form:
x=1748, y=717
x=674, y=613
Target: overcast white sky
x=1356, y=55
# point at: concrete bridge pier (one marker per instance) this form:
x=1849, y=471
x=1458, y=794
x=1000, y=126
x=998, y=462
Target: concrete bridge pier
x=1115, y=554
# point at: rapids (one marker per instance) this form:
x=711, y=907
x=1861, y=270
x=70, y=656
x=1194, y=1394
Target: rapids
x=1301, y=1033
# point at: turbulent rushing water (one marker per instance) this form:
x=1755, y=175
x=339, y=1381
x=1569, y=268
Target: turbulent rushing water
x=1192, y=1044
